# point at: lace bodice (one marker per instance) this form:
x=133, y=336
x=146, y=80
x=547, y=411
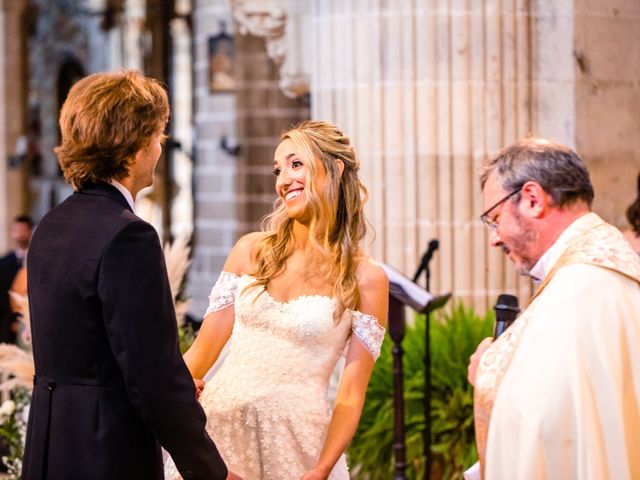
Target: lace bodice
x=267, y=407
x=290, y=345
x=365, y=327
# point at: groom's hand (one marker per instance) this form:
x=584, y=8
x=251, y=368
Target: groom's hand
x=233, y=476
x=199, y=386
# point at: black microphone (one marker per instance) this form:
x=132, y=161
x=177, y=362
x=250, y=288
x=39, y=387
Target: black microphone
x=426, y=258
x=506, y=312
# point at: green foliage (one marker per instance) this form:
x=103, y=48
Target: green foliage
x=186, y=336
x=454, y=337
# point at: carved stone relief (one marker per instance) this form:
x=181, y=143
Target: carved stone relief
x=280, y=23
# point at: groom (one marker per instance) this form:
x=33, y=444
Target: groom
x=110, y=386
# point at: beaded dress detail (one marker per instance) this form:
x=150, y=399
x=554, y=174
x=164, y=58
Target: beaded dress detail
x=267, y=408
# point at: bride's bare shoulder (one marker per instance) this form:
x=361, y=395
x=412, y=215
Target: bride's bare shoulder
x=373, y=287
x=241, y=258
x=370, y=275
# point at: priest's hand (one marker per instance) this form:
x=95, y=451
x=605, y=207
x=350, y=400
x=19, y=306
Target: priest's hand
x=474, y=360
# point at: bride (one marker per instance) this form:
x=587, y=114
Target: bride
x=290, y=301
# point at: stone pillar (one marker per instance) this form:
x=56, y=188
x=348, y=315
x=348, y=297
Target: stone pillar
x=214, y=171
x=182, y=112
x=12, y=115
x=428, y=90
x=132, y=32
x=607, y=69
x=158, y=64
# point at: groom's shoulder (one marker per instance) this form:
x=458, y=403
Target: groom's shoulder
x=129, y=226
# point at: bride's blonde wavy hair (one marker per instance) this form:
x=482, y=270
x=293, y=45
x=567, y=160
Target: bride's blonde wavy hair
x=338, y=223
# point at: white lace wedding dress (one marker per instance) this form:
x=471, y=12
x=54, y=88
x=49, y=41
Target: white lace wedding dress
x=267, y=407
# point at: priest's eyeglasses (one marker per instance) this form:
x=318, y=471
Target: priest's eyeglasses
x=491, y=222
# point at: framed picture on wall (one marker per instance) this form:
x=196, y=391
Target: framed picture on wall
x=221, y=63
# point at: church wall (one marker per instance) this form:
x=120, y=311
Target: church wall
x=607, y=70
x=233, y=190
x=12, y=127
x=429, y=90
x=213, y=170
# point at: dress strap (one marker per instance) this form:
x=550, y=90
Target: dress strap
x=369, y=331
x=223, y=293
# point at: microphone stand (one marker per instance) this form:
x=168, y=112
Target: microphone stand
x=426, y=438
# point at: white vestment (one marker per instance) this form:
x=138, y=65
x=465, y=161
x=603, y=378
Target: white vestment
x=566, y=402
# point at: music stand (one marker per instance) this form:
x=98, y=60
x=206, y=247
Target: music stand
x=404, y=292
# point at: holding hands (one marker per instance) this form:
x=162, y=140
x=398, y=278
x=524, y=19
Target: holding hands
x=199, y=383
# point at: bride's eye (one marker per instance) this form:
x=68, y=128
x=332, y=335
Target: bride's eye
x=276, y=171
x=296, y=163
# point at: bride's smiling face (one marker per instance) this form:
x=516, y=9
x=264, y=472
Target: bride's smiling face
x=292, y=178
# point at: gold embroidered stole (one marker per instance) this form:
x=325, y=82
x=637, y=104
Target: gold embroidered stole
x=602, y=245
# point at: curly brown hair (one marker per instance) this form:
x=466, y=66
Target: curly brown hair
x=105, y=120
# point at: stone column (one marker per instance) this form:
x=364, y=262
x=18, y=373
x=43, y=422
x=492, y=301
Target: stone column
x=607, y=72
x=12, y=114
x=214, y=171
x=428, y=90
x=182, y=111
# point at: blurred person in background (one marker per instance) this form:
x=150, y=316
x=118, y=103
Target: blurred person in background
x=633, y=217
x=10, y=264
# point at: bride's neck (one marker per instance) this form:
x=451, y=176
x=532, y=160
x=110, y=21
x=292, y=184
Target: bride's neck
x=301, y=238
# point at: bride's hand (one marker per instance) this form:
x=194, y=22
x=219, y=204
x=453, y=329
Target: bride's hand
x=314, y=474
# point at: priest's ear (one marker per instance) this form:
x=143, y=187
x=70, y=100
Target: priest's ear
x=535, y=202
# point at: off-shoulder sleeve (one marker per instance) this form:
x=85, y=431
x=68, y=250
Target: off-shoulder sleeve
x=367, y=329
x=223, y=293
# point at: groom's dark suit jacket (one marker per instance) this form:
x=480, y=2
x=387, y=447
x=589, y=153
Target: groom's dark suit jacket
x=111, y=385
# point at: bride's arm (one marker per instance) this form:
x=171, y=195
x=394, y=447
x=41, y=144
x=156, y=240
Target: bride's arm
x=218, y=324
x=212, y=337
x=374, y=299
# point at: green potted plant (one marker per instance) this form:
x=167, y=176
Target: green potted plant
x=455, y=333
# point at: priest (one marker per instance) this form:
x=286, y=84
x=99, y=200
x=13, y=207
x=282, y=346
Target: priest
x=558, y=394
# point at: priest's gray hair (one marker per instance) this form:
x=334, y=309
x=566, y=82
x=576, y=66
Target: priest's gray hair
x=558, y=169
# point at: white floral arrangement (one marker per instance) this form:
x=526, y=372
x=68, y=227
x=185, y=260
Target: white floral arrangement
x=17, y=367
x=13, y=429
